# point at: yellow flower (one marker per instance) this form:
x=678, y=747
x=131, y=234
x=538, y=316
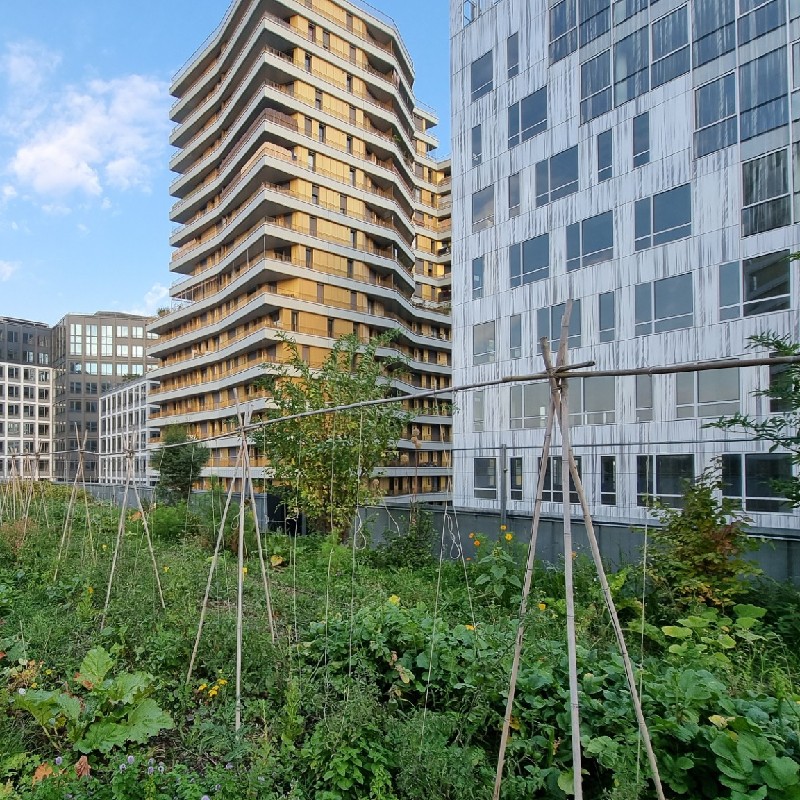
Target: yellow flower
x=503, y=528
x=470, y=627
x=472, y=536
x=202, y=687
x=166, y=569
x=48, y=672
x=222, y=682
x=477, y=543
x=90, y=589
x=105, y=547
x=509, y=537
x=244, y=570
x=34, y=685
x=542, y=606
x=394, y=600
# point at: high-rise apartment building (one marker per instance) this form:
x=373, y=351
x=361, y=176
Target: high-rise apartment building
x=25, y=399
x=91, y=354
x=309, y=205
x=643, y=159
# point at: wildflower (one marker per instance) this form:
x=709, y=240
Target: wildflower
x=166, y=569
x=503, y=527
x=59, y=761
x=48, y=672
x=244, y=570
x=123, y=767
x=472, y=536
x=394, y=600
x=131, y=759
x=105, y=547
x=202, y=687
x=161, y=766
x=22, y=691
x=151, y=761
x=222, y=682
x=205, y=797
x=90, y=590
x=542, y=606
x=477, y=543
x=34, y=685
x=509, y=537
x=150, y=770
x=470, y=627
x=229, y=765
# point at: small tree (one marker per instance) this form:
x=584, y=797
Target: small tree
x=697, y=555
x=324, y=463
x=782, y=429
x=179, y=461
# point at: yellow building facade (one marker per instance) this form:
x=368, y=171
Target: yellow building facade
x=307, y=203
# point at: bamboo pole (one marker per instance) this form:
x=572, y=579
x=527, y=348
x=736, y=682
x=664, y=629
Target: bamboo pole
x=526, y=589
x=262, y=561
x=240, y=583
x=66, y=534
x=612, y=610
x=117, y=545
x=212, y=568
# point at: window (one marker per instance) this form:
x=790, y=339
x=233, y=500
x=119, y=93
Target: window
x=529, y=261
x=548, y=324
x=553, y=491
x=663, y=217
x=763, y=87
x=765, y=193
x=557, y=176
x=607, y=316
x=563, y=30
x=644, y=398
x=529, y=404
x=318, y=99
x=122, y=331
x=670, y=46
x=515, y=336
x=349, y=145
x=75, y=340
x=596, y=86
x=715, y=115
x=763, y=18
x=515, y=478
x=481, y=76
x=477, y=145
x=471, y=11
x=714, y=29
x=485, y=477
x=714, y=393
x=512, y=55
x=608, y=480
x=315, y=194
x=758, y=481
x=527, y=117
x=592, y=401
x=478, y=410
x=513, y=195
x=483, y=209
x=321, y=133
x=641, y=139
x=784, y=380
x=595, y=19
x=627, y=8
x=106, y=340
x=605, y=155
x=477, y=277
x=137, y=332
x=326, y=40
x=483, y=347
x=760, y=287
x=591, y=241
x=667, y=474
x=664, y=305
x=631, y=62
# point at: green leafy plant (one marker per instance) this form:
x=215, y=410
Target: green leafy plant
x=697, y=554
x=325, y=462
x=101, y=712
x=179, y=461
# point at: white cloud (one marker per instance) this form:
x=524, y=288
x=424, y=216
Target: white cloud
x=26, y=65
x=86, y=139
x=7, y=269
x=157, y=297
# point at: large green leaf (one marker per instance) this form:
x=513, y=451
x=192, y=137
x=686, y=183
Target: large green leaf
x=95, y=666
x=756, y=748
x=128, y=686
x=70, y=706
x=146, y=720
x=780, y=772
x=103, y=737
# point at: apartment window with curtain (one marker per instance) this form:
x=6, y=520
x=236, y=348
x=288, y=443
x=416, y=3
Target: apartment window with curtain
x=758, y=285
x=714, y=29
x=670, y=46
x=765, y=193
x=763, y=94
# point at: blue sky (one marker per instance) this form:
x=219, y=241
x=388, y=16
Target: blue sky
x=84, y=102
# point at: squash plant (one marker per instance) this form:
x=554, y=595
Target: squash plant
x=100, y=712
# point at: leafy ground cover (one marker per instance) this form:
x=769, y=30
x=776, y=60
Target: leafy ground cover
x=388, y=680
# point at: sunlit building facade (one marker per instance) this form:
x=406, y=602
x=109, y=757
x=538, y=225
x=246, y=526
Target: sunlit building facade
x=308, y=203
